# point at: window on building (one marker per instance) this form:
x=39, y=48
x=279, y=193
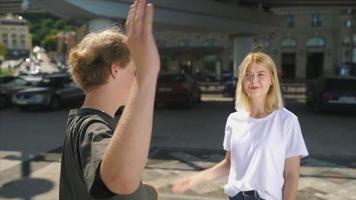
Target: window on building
x=315, y=42
x=349, y=11
x=315, y=20
x=22, y=43
x=290, y=21
x=185, y=43
x=262, y=41
x=354, y=55
x=289, y=42
x=13, y=35
x=348, y=23
x=354, y=39
x=5, y=42
x=209, y=43
x=14, y=43
x=347, y=40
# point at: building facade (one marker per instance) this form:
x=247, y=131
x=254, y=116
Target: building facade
x=306, y=38
x=15, y=36
x=314, y=42
x=195, y=52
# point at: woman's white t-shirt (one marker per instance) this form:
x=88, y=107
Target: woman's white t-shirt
x=259, y=148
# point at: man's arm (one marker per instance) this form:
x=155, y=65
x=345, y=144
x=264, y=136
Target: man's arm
x=126, y=155
x=291, y=177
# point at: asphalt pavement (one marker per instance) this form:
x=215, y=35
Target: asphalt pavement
x=184, y=142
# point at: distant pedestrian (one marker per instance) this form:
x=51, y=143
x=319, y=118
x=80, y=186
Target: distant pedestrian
x=263, y=139
x=103, y=158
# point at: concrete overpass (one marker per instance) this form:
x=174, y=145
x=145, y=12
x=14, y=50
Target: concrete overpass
x=181, y=14
x=241, y=24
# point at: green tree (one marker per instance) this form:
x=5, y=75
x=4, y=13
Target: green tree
x=2, y=50
x=60, y=24
x=44, y=27
x=49, y=42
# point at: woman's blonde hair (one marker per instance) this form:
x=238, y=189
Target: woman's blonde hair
x=274, y=99
x=91, y=59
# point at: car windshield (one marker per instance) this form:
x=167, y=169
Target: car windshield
x=4, y=80
x=13, y=82
x=341, y=84
x=51, y=82
x=172, y=77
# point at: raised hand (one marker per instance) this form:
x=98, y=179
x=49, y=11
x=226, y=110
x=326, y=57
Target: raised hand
x=141, y=42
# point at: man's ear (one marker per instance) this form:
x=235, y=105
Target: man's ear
x=114, y=70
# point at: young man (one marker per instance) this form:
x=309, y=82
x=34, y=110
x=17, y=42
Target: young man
x=103, y=159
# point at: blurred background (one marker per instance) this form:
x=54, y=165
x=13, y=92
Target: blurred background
x=201, y=43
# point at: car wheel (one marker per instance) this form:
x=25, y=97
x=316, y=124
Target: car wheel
x=55, y=103
x=3, y=101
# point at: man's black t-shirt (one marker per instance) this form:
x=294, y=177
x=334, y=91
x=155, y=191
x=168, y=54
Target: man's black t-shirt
x=88, y=133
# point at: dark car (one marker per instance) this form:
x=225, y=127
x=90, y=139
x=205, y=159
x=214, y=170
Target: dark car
x=332, y=93
x=229, y=87
x=176, y=88
x=53, y=91
x=9, y=85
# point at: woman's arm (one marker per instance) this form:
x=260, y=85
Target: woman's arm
x=219, y=170
x=291, y=177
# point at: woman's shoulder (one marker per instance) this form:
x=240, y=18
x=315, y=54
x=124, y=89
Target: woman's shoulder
x=238, y=115
x=286, y=114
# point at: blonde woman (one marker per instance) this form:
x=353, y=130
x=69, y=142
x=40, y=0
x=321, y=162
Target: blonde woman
x=263, y=140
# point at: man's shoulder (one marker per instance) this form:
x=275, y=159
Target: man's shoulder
x=84, y=118
x=79, y=124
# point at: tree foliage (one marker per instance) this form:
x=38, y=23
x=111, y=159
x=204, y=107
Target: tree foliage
x=44, y=28
x=49, y=42
x=2, y=50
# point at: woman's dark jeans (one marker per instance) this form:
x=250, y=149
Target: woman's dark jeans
x=241, y=196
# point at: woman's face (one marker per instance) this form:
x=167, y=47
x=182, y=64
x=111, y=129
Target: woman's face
x=257, y=81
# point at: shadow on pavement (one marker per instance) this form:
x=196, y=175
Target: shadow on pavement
x=25, y=188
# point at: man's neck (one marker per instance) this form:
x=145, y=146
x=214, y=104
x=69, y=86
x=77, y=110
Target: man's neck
x=102, y=100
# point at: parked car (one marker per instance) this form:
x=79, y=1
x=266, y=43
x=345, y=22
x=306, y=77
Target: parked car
x=33, y=79
x=53, y=91
x=332, y=93
x=176, y=88
x=9, y=85
x=204, y=77
x=229, y=87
